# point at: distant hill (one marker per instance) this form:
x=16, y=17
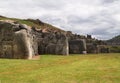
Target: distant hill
x=114, y=41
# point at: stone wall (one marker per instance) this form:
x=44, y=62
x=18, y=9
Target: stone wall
x=20, y=41
x=16, y=41
x=53, y=43
x=103, y=49
x=77, y=46
x=23, y=42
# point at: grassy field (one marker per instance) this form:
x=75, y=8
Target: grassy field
x=92, y=68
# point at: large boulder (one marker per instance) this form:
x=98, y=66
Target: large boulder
x=16, y=41
x=77, y=46
x=53, y=43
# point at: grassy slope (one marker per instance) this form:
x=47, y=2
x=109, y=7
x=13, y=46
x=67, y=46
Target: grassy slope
x=62, y=69
x=32, y=24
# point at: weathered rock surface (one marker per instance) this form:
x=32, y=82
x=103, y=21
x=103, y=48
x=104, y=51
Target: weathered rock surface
x=16, y=41
x=103, y=49
x=77, y=46
x=21, y=41
x=53, y=43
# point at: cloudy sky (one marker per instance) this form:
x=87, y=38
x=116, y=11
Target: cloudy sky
x=100, y=18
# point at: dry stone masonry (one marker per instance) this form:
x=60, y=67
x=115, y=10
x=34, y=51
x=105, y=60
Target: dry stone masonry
x=23, y=42
x=20, y=41
x=16, y=41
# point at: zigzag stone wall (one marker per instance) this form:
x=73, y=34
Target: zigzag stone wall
x=23, y=42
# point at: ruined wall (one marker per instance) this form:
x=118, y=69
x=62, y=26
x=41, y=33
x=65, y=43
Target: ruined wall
x=77, y=43
x=90, y=44
x=77, y=46
x=103, y=49
x=16, y=41
x=23, y=42
x=54, y=43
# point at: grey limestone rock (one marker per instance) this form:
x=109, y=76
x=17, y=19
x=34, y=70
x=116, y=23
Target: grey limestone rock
x=20, y=41
x=77, y=46
x=16, y=41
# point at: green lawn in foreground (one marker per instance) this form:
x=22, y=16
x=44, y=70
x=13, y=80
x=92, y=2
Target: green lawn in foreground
x=92, y=68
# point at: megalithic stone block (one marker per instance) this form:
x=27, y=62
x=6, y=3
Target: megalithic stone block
x=77, y=46
x=16, y=41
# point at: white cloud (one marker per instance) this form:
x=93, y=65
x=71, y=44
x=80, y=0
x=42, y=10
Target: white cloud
x=101, y=18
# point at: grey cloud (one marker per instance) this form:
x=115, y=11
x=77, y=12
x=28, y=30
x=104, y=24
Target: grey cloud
x=51, y=4
x=101, y=18
x=109, y=1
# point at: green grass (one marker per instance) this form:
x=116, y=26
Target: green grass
x=92, y=68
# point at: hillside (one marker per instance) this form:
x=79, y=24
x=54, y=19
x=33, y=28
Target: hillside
x=115, y=40
x=34, y=23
